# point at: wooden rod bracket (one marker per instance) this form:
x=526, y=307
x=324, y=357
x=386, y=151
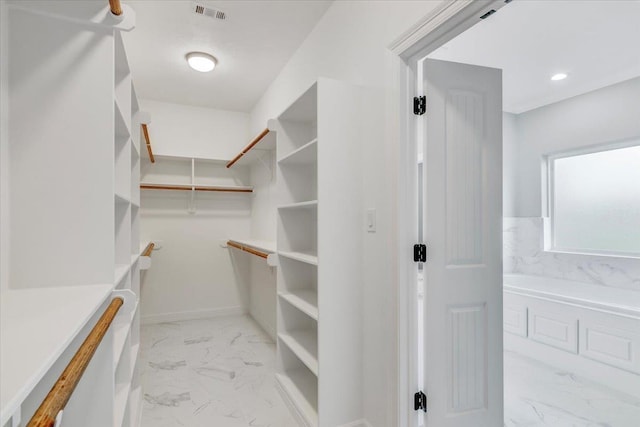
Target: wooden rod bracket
x=116, y=7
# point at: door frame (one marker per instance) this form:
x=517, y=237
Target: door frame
x=447, y=20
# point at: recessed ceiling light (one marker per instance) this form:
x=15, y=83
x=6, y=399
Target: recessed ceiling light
x=201, y=61
x=559, y=76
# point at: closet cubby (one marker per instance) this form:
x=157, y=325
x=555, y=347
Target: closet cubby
x=319, y=234
x=298, y=283
x=135, y=172
x=122, y=232
x=298, y=384
x=299, y=333
x=122, y=157
x=298, y=230
x=299, y=182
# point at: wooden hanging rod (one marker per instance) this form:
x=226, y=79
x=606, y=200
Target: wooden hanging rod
x=187, y=187
x=248, y=249
x=248, y=147
x=116, y=8
x=148, y=141
x=147, y=251
x=61, y=391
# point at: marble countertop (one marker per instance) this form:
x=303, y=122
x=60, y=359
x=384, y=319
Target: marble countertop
x=36, y=326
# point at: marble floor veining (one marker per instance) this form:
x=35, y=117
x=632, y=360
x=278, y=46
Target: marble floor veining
x=215, y=372
x=219, y=372
x=537, y=395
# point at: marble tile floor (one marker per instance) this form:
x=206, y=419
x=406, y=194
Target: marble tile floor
x=219, y=372
x=538, y=395
x=215, y=372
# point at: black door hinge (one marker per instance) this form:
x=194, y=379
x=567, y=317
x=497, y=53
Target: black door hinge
x=488, y=14
x=419, y=105
x=420, y=401
x=420, y=253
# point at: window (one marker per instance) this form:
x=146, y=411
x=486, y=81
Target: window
x=594, y=201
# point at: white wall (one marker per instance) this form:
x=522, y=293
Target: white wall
x=4, y=148
x=510, y=173
x=191, y=274
x=606, y=115
x=599, y=117
x=350, y=43
x=184, y=130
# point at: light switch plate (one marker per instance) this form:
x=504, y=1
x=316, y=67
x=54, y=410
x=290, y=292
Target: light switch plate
x=371, y=220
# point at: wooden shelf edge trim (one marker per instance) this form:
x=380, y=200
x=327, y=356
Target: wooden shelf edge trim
x=61, y=391
x=247, y=249
x=187, y=187
x=147, y=251
x=252, y=144
x=145, y=131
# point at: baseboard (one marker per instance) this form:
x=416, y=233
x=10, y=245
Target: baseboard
x=288, y=401
x=358, y=423
x=191, y=315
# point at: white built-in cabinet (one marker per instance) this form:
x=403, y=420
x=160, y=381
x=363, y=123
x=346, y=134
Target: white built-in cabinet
x=74, y=155
x=319, y=238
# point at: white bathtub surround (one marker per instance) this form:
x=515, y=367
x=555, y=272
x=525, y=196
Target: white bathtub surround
x=524, y=254
x=210, y=372
x=540, y=395
x=587, y=329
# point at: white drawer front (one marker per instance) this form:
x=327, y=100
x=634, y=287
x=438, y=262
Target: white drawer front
x=515, y=319
x=611, y=339
x=555, y=329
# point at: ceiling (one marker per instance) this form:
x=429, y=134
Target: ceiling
x=597, y=43
x=252, y=45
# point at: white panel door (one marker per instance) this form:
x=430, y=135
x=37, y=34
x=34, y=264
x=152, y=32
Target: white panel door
x=463, y=234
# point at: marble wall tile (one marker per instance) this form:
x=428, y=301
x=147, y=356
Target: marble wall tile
x=524, y=254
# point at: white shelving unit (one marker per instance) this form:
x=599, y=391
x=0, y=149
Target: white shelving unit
x=80, y=167
x=319, y=230
x=198, y=177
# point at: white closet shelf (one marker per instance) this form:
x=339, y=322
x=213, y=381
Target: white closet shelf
x=135, y=106
x=302, y=387
x=121, y=271
x=311, y=204
x=306, y=257
x=188, y=187
x=36, y=327
x=121, y=199
x=305, y=155
x=303, y=300
x=120, y=403
x=120, y=332
x=135, y=405
x=170, y=157
x=304, y=344
x=135, y=352
x=121, y=127
x=268, y=246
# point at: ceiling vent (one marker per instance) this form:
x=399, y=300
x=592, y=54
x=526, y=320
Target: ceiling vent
x=200, y=9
